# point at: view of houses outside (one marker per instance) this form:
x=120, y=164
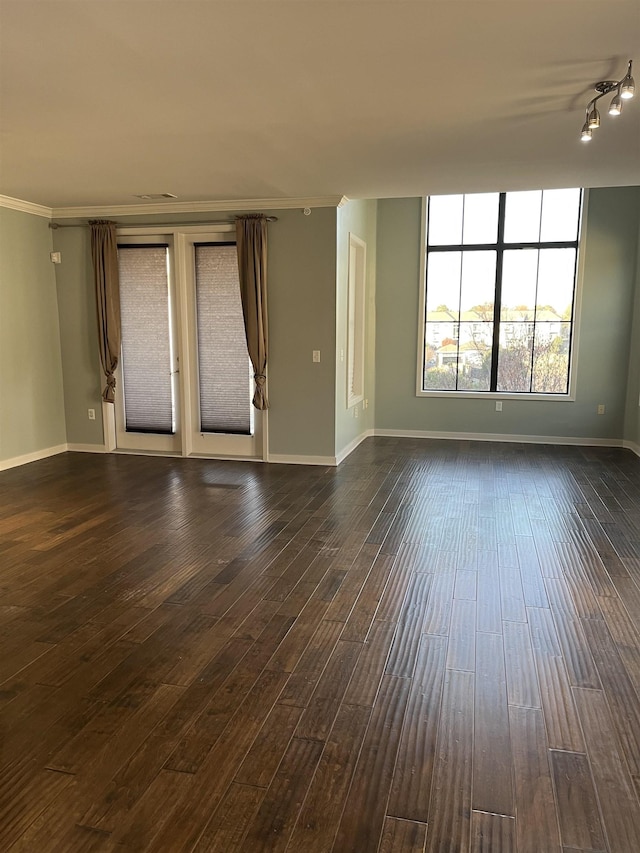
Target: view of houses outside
x=537, y=291
x=532, y=356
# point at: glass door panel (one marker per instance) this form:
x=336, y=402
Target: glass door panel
x=146, y=380
x=222, y=420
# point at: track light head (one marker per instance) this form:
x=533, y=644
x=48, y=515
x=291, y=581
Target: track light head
x=593, y=119
x=587, y=133
x=628, y=87
x=616, y=106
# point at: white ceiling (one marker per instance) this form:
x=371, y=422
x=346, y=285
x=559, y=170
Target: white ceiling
x=213, y=100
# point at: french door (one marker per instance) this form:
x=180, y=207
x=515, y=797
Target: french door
x=184, y=384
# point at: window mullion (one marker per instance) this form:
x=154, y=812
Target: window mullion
x=497, y=303
x=464, y=198
x=535, y=312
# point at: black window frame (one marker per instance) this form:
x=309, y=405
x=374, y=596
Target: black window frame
x=499, y=246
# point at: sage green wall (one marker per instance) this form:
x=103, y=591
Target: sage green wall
x=31, y=413
x=357, y=217
x=79, y=336
x=606, y=341
x=301, y=273
x=302, y=318
x=632, y=414
x=605, y=332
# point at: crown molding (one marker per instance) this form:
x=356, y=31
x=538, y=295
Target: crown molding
x=99, y=210
x=25, y=206
x=196, y=207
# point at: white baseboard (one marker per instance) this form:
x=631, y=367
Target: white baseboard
x=504, y=437
x=631, y=445
x=346, y=451
x=333, y=461
x=16, y=461
x=293, y=459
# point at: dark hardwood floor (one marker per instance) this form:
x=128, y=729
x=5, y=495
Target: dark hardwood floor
x=434, y=647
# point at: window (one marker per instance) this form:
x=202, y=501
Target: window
x=224, y=369
x=147, y=341
x=355, y=320
x=500, y=292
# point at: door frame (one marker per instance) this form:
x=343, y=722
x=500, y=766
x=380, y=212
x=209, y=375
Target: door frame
x=181, y=239
x=142, y=441
x=196, y=443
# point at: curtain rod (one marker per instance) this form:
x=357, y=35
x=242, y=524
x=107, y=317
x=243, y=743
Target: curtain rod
x=56, y=225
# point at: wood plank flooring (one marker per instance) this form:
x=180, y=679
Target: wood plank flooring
x=434, y=648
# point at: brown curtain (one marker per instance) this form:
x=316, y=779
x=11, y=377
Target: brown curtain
x=251, y=238
x=104, y=253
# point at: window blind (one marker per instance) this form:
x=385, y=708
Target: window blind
x=146, y=338
x=223, y=360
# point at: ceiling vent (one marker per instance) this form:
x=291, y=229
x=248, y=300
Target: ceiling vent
x=154, y=196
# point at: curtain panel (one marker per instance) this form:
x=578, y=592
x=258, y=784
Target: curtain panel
x=251, y=240
x=104, y=254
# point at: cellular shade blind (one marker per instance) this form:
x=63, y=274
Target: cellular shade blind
x=146, y=339
x=223, y=360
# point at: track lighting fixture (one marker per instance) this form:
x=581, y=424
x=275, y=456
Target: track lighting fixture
x=624, y=89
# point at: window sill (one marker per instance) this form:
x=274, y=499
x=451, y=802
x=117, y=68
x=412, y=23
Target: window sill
x=499, y=395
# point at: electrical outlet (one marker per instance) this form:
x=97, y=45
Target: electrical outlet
x=355, y=411
x=92, y=414
x=601, y=409
x=341, y=355
x=498, y=405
